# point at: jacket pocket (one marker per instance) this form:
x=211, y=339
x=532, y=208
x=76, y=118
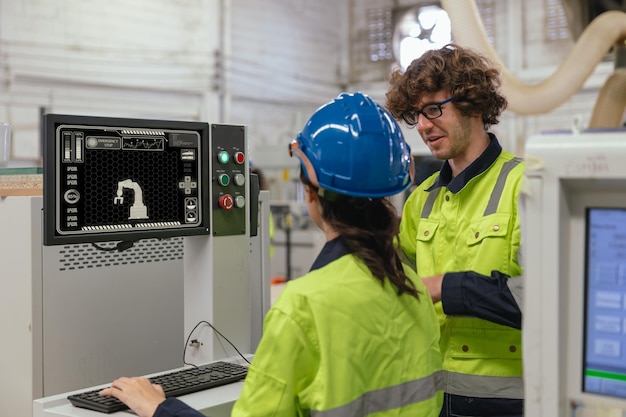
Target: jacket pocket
x=425, y=246
x=426, y=230
x=493, y=226
x=489, y=244
x=485, y=351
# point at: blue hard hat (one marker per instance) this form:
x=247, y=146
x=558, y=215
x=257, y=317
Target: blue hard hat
x=353, y=146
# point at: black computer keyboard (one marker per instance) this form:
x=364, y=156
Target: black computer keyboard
x=174, y=384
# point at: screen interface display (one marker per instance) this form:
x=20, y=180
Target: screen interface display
x=604, y=367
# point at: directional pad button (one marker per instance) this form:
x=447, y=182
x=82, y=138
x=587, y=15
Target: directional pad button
x=187, y=185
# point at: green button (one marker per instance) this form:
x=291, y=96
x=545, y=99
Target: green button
x=224, y=179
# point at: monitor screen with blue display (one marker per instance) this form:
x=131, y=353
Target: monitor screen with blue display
x=604, y=357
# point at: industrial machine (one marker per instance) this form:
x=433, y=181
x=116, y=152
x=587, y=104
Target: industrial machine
x=575, y=274
x=147, y=253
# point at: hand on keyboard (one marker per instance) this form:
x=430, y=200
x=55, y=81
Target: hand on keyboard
x=173, y=384
x=139, y=394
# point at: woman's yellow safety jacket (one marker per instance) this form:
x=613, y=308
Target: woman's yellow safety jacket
x=339, y=343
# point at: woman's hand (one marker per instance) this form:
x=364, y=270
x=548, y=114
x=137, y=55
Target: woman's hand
x=139, y=394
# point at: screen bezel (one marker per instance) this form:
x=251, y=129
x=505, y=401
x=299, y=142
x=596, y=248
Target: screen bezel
x=51, y=236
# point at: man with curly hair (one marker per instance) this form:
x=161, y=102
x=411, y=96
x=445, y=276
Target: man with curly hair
x=461, y=227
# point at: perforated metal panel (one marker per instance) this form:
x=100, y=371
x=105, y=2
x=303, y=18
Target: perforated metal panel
x=99, y=315
x=86, y=256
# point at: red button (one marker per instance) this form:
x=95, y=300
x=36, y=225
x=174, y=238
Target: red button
x=240, y=158
x=226, y=202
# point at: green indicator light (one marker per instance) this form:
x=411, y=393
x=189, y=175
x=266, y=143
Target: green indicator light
x=224, y=179
x=223, y=157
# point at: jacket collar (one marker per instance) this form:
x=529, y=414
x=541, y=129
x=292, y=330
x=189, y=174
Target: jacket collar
x=480, y=165
x=332, y=250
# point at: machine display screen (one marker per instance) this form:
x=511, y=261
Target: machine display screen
x=604, y=367
x=123, y=179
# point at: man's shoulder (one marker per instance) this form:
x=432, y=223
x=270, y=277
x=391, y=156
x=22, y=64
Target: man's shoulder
x=513, y=163
x=510, y=156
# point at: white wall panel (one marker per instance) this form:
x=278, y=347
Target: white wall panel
x=151, y=44
x=286, y=58
x=282, y=46
x=139, y=58
x=277, y=62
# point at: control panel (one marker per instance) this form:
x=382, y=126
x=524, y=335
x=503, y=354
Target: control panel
x=229, y=179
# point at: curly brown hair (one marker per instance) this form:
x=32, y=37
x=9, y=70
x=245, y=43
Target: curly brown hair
x=472, y=80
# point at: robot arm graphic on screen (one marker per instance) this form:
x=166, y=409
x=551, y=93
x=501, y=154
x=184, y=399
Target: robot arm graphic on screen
x=138, y=210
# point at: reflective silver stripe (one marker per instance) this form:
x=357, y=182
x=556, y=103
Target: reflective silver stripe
x=484, y=386
x=430, y=203
x=387, y=398
x=496, y=193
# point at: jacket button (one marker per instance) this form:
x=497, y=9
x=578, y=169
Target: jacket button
x=496, y=228
x=426, y=233
x=464, y=348
x=447, y=197
x=476, y=235
x=512, y=348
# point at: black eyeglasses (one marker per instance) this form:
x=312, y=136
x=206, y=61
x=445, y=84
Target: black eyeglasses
x=430, y=111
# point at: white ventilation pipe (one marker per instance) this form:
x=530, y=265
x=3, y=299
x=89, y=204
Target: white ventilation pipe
x=603, y=32
x=609, y=108
x=611, y=102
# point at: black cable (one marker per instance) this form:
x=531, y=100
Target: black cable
x=120, y=247
x=216, y=331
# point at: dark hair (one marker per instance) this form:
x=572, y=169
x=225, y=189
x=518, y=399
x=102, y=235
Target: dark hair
x=472, y=80
x=369, y=229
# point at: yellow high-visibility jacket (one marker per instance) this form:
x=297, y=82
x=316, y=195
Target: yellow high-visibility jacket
x=471, y=225
x=337, y=342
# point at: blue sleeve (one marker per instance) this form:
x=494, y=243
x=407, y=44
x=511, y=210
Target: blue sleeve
x=173, y=407
x=487, y=297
